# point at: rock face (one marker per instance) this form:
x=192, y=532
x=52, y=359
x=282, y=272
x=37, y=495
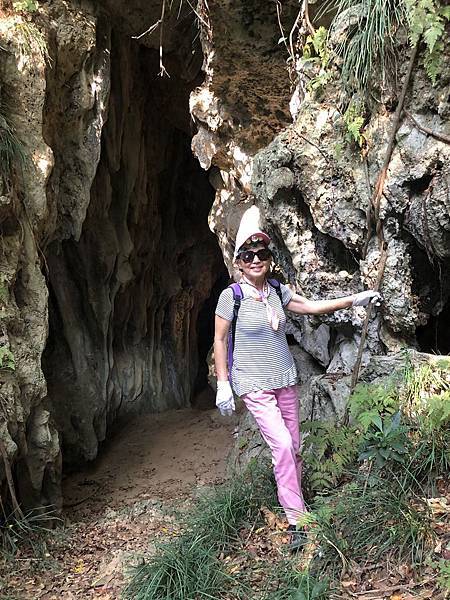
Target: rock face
x=109, y=272
x=108, y=259
x=314, y=190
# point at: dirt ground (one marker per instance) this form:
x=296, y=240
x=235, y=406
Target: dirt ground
x=118, y=508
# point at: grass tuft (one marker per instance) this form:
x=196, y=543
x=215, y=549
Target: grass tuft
x=32, y=42
x=15, y=532
x=363, y=39
x=368, y=520
x=191, y=566
x=12, y=151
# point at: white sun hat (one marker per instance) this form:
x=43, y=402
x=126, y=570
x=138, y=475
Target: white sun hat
x=249, y=227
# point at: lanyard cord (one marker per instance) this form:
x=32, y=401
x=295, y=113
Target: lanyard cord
x=272, y=316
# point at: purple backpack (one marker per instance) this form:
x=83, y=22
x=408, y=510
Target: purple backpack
x=237, y=297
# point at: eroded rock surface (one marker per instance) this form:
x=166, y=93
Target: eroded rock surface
x=108, y=259
x=108, y=268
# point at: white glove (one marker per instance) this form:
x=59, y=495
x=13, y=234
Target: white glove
x=225, y=398
x=367, y=297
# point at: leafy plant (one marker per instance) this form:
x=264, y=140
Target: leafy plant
x=427, y=19
x=368, y=519
x=369, y=401
x=423, y=382
x=431, y=441
x=385, y=441
x=7, y=360
x=328, y=451
x=443, y=567
x=317, y=55
x=27, y=6
x=354, y=122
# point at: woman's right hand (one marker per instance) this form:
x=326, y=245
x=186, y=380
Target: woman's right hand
x=225, y=398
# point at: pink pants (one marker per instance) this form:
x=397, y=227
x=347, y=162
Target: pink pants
x=276, y=413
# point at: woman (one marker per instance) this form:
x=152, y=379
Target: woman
x=263, y=372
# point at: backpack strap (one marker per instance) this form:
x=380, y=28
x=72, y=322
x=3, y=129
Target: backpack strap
x=276, y=285
x=237, y=297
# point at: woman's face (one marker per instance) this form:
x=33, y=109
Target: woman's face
x=257, y=268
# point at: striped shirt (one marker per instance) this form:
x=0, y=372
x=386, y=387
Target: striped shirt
x=261, y=357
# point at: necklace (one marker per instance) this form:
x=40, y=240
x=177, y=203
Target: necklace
x=262, y=295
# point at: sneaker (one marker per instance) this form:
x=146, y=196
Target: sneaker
x=298, y=538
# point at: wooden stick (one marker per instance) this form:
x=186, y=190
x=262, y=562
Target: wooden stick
x=356, y=368
x=439, y=136
x=375, y=203
x=379, y=187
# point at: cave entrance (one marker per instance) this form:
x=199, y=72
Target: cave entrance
x=132, y=299
x=431, y=284
x=434, y=336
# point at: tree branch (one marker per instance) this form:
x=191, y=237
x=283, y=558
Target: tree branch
x=439, y=136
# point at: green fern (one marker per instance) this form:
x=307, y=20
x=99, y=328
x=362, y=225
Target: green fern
x=354, y=122
x=427, y=19
x=317, y=55
x=328, y=452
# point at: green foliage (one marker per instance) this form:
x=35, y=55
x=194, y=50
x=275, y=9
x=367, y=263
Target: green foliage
x=26, y=6
x=12, y=153
x=362, y=36
x=7, y=360
x=431, y=455
x=443, y=567
x=386, y=441
x=371, y=401
x=427, y=19
x=328, y=451
x=316, y=45
x=421, y=383
x=316, y=55
x=362, y=40
x=367, y=520
x=426, y=402
x=354, y=122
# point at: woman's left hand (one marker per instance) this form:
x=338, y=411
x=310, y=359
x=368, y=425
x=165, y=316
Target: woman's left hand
x=367, y=297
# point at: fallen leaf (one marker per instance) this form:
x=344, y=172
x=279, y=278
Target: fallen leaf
x=273, y=521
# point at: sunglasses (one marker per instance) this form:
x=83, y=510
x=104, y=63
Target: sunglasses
x=248, y=256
